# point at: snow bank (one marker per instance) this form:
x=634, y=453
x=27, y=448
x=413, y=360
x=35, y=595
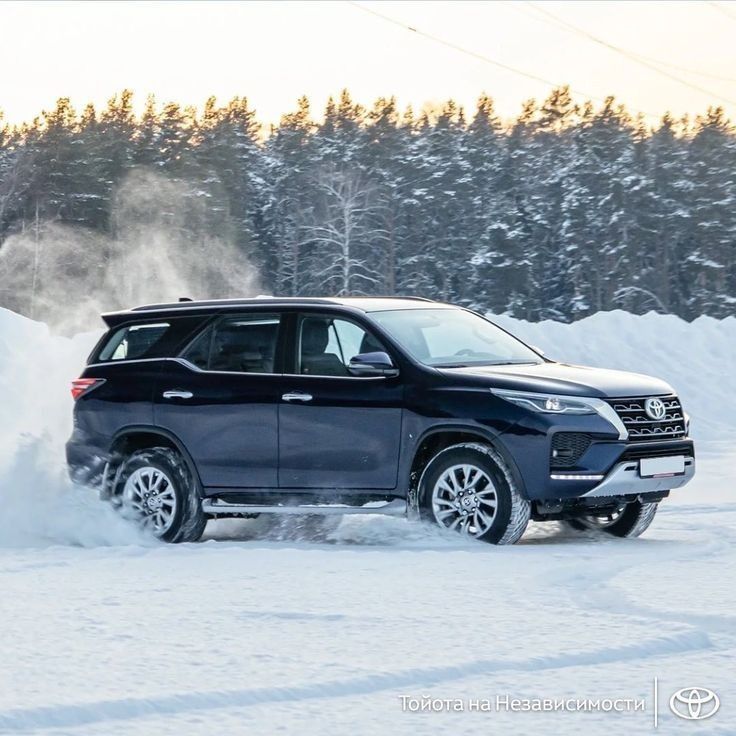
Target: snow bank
x=38, y=503
x=698, y=358
x=39, y=506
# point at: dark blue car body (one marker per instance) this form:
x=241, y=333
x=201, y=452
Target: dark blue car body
x=358, y=438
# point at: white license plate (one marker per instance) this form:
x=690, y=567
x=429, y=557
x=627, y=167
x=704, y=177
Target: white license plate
x=652, y=467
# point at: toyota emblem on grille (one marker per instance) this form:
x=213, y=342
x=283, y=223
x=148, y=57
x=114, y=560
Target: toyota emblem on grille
x=654, y=408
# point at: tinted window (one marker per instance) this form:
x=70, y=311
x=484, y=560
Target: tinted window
x=453, y=337
x=243, y=344
x=134, y=342
x=326, y=345
x=162, y=339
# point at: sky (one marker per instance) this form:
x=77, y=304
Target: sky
x=274, y=52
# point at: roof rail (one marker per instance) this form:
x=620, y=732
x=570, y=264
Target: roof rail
x=411, y=298
x=190, y=304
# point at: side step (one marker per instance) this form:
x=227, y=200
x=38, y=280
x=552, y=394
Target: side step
x=397, y=507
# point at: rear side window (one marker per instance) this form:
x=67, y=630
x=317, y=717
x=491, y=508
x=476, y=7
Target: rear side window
x=242, y=344
x=134, y=341
x=162, y=339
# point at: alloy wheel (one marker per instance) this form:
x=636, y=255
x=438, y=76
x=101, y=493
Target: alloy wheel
x=149, y=496
x=465, y=499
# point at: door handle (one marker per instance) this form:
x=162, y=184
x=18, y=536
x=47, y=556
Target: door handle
x=178, y=394
x=297, y=396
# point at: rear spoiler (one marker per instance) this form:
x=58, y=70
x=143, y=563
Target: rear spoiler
x=113, y=319
x=155, y=311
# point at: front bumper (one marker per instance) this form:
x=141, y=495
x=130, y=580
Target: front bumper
x=622, y=483
x=609, y=465
x=624, y=479
x=612, y=469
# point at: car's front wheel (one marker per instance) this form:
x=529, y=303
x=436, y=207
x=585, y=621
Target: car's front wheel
x=468, y=488
x=156, y=489
x=626, y=520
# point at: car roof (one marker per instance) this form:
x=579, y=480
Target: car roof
x=187, y=306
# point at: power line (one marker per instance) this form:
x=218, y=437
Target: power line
x=629, y=55
x=687, y=70
x=482, y=57
x=722, y=9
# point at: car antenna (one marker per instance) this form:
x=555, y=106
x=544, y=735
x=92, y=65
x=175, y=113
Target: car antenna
x=185, y=299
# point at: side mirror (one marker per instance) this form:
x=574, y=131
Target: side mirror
x=372, y=364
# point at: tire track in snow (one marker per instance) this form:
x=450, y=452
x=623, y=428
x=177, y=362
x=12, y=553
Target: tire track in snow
x=594, y=588
x=83, y=714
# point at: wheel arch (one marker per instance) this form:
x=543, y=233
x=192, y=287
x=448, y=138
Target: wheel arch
x=439, y=438
x=139, y=437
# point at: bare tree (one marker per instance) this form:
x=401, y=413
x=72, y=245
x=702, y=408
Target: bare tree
x=345, y=235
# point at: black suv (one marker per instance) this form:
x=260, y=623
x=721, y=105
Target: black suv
x=270, y=407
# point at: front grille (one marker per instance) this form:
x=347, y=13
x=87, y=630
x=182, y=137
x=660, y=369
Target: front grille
x=568, y=448
x=642, y=427
x=637, y=453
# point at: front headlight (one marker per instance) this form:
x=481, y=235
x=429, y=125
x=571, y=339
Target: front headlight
x=548, y=403
x=554, y=404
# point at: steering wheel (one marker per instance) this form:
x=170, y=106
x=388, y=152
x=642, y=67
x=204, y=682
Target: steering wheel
x=465, y=351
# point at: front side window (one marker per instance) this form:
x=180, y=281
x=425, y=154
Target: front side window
x=243, y=344
x=326, y=345
x=449, y=338
x=134, y=342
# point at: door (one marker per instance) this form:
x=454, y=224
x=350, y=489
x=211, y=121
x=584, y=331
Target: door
x=337, y=431
x=221, y=400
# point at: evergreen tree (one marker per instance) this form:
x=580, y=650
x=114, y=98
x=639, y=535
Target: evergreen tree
x=566, y=210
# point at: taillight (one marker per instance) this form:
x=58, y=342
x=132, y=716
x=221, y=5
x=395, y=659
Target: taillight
x=82, y=385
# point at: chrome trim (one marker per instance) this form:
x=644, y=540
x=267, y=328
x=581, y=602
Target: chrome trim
x=177, y=394
x=610, y=415
x=397, y=507
x=126, y=361
x=624, y=480
x=196, y=369
x=641, y=425
x=297, y=396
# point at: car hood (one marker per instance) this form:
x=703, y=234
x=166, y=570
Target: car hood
x=561, y=378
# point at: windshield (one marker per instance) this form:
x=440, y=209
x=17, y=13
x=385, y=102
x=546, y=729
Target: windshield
x=453, y=338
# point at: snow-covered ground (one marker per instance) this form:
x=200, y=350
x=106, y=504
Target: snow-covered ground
x=105, y=632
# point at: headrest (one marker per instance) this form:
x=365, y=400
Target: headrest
x=315, y=336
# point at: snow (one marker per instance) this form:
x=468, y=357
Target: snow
x=106, y=632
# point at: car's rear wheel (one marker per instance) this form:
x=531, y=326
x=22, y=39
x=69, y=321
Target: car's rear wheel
x=625, y=520
x=468, y=488
x=156, y=490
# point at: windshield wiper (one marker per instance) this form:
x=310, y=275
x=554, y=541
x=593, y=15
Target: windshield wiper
x=485, y=363
x=516, y=362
